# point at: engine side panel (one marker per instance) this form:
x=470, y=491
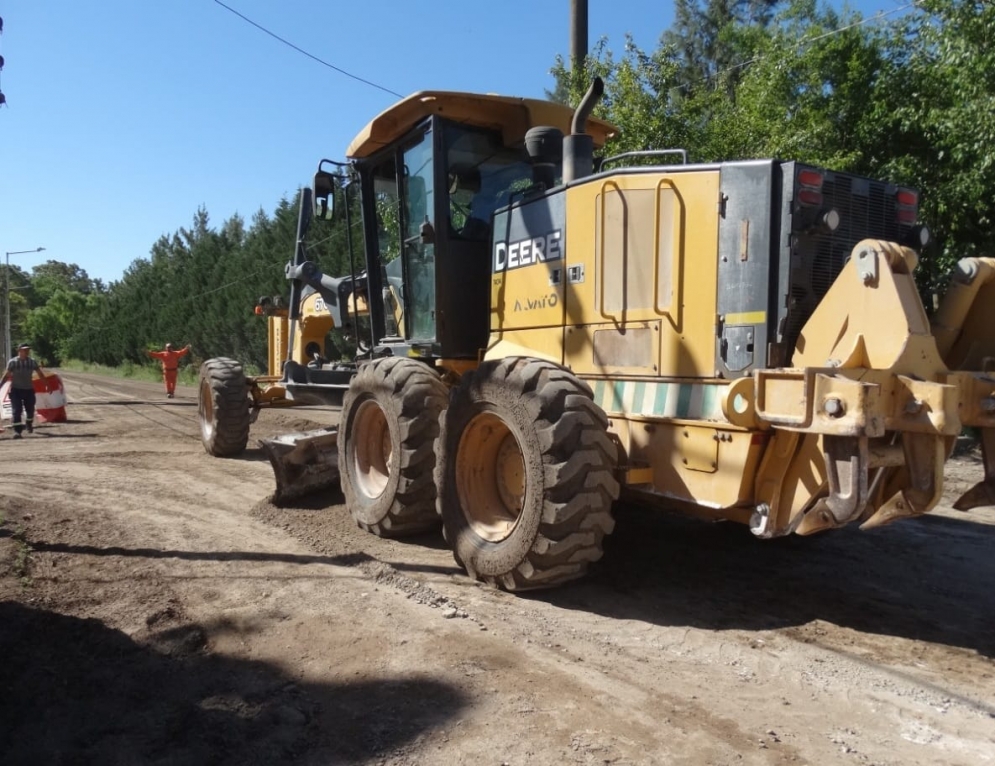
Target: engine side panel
x=640, y=274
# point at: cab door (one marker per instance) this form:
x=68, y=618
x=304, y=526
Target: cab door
x=416, y=179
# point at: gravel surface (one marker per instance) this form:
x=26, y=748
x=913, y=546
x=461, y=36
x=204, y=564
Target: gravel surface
x=156, y=608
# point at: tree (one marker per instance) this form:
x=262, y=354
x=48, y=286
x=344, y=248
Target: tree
x=909, y=101
x=937, y=102
x=707, y=41
x=52, y=325
x=48, y=277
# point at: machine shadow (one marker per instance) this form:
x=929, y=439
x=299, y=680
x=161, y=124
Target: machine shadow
x=76, y=691
x=42, y=546
x=926, y=579
x=250, y=455
x=108, y=403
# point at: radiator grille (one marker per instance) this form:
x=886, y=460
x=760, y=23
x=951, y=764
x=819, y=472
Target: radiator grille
x=867, y=209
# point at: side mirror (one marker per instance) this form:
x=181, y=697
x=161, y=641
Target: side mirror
x=304, y=216
x=326, y=185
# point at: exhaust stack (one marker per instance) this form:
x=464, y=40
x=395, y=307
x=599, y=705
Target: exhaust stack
x=578, y=147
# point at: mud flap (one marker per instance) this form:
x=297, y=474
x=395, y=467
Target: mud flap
x=302, y=462
x=982, y=493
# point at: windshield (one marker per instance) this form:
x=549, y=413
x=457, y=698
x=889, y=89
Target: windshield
x=482, y=176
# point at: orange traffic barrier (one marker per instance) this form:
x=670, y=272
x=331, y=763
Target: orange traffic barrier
x=50, y=400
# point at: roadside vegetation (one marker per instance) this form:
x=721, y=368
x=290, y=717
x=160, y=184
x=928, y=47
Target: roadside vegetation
x=186, y=375
x=904, y=96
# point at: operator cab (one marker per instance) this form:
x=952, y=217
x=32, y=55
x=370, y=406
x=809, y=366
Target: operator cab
x=432, y=171
x=430, y=200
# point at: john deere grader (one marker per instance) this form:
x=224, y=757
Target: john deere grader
x=539, y=329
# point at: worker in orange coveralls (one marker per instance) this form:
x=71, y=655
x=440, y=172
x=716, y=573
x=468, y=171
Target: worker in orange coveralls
x=170, y=360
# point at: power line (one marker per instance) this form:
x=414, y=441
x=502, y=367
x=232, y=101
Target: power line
x=261, y=28
x=839, y=30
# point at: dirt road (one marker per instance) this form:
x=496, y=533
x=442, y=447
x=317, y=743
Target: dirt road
x=156, y=609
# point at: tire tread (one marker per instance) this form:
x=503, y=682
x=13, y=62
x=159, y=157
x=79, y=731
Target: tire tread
x=413, y=396
x=578, y=471
x=230, y=406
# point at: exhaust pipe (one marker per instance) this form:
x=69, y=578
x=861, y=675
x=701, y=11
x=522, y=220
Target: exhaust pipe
x=578, y=147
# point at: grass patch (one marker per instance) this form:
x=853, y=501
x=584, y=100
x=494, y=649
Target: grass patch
x=22, y=559
x=186, y=375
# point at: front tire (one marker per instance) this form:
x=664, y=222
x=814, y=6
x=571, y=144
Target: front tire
x=525, y=475
x=387, y=441
x=223, y=407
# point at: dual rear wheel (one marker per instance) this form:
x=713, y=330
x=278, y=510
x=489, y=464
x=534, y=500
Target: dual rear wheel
x=387, y=435
x=516, y=460
x=526, y=475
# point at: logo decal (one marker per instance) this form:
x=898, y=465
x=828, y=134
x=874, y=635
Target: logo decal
x=529, y=251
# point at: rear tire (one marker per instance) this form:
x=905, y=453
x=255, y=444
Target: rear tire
x=387, y=441
x=525, y=475
x=223, y=407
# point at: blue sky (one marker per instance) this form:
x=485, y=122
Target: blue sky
x=124, y=116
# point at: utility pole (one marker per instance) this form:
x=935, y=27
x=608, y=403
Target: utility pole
x=578, y=39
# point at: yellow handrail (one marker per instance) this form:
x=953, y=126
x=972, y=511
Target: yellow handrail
x=675, y=278
x=601, y=248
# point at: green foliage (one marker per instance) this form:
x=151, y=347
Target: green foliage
x=200, y=286
x=48, y=306
x=52, y=276
x=907, y=98
x=187, y=374
x=53, y=324
x=940, y=100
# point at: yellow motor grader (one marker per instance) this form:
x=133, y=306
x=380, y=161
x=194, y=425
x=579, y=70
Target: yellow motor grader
x=740, y=341
x=299, y=374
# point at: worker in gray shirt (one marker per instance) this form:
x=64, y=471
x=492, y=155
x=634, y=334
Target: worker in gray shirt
x=20, y=370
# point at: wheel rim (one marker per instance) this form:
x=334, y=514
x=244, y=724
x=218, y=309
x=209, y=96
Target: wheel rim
x=205, y=410
x=490, y=477
x=372, y=455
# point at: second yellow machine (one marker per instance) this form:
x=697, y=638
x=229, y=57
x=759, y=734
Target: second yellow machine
x=545, y=329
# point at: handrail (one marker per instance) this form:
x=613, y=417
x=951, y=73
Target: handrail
x=601, y=248
x=675, y=278
x=647, y=153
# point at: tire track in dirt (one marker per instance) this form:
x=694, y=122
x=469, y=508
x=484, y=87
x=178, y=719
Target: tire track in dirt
x=138, y=408
x=688, y=642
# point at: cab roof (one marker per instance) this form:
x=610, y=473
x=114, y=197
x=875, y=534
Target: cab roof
x=512, y=116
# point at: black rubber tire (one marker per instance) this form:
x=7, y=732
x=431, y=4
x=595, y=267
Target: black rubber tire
x=223, y=407
x=387, y=440
x=539, y=516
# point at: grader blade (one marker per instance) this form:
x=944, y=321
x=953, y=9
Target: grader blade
x=302, y=462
